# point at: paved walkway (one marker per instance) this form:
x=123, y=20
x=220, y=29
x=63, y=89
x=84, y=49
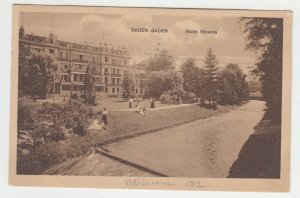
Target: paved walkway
x=150, y=109
x=204, y=148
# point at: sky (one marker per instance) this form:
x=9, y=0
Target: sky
x=228, y=44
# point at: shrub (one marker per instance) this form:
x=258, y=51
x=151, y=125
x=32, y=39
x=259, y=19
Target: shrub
x=174, y=99
x=25, y=118
x=74, y=96
x=188, y=97
x=80, y=124
x=165, y=98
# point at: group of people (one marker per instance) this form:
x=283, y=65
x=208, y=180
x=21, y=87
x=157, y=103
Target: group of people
x=139, y=109
x=101, y=120
x=152, y=103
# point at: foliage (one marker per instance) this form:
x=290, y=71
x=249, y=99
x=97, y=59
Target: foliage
x=188, y=97
x=167, y=98
x=233, y=85
x=89, y=93
x=193, y=77
x=80, y=124
x=49, y=121
x=159, y=82
x=122, y=123
x=255, y=86
x=210, y=85
x=74, y=96
x=265, y=36
x=127, y=87
x=23, y=80
x=25, y=117
x=163, y=61
x=41, y=70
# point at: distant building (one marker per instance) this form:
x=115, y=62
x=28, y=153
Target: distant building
x=109, y=63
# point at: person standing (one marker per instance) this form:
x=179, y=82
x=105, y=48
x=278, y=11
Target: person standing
x=130, y=102
x=104, y=118
x=144, y=111
x=152, y=105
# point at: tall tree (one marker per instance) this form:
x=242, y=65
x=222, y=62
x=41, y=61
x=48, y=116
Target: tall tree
x=47, y=64
x=233, y=85
x=193, y=77
x=265, y=37
x=89, y=90
x=23, y=81
x=127, y=86
x=210, y=85
x=159, y=82
x=35, y=85
x=163, y=61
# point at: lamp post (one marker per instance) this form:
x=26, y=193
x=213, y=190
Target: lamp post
x=53, y=86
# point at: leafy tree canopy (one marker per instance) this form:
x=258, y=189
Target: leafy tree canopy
x=159, y=82
x=163, y=61
x=265, y=37
x=193, y=77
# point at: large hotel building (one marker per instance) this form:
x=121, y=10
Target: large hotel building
x=109, y=64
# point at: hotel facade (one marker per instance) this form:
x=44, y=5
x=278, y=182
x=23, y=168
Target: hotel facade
x=108, y=63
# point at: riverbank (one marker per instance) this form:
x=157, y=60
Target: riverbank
x=121, y=124
x=260, y=155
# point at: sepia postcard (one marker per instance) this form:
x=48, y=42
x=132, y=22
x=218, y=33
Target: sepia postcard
x=150, y=98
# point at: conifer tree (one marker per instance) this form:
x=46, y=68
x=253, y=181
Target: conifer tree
x=210, y=86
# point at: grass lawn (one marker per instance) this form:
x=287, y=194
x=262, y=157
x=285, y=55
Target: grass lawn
x=114, y=104
x=120, y=124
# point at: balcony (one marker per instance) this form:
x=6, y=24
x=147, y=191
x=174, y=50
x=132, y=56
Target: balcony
x=106, y=73
x=116, y=75
x=81, y=70
x=63, y=59
x=79, y=60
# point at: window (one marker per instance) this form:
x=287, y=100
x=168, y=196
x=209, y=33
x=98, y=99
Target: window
x=75, y=87
x=118, y=81
x=75, y=77
x=106, y=80
x=141, y=91
x=106, y=70
x=66, y=66
x=81, y=78
x=106, y=89
x=66, y=78
x=117, y=90
x=99, y=88
x=113, y=90
x=106, y=59
x=124, y=62
x=136, y=91
x=51, y=51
